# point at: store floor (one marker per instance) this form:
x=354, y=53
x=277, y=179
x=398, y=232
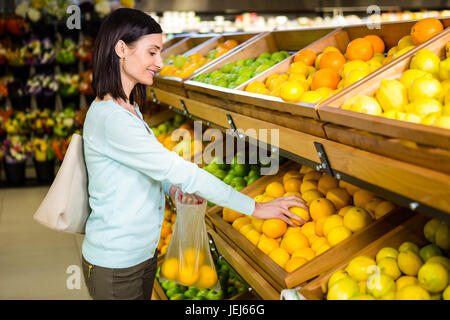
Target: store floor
x=34, y=260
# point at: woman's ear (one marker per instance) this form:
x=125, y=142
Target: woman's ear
x=120, y=48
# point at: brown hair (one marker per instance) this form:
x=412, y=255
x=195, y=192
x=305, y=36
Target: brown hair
x=127, y=25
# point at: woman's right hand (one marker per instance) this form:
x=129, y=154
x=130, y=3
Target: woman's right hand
x=279, y=209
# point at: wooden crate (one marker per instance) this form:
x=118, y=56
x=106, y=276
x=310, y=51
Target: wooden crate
x=270, y=42
x=410, y=230
x=174, y=84
x=408, y=151
x=276, y=275
x=423, y=134
x=254, y=280
x=170, y=42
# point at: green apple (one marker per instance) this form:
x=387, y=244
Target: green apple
x=226, y=68
x=241, y=170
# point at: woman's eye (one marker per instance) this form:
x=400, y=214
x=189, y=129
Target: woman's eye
x=153, y=54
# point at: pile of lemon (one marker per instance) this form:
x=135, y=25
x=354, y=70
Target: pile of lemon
x=337, y=209
x=406, y=273
x=190, y=269
x=420, y=95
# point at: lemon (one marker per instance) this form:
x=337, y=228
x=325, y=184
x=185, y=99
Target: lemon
x=442, y=122
x=332, y=221
x=433, y=277
x=361, y=267
x=391, y=51
x=425, y=87
x=442, y=260
x=391, y=94
x=380, y=284
x=411, y=117
x=405, y=281
x=362, y=286
x=254, y=86
x=355, y=75
x=425, y=107
x=430, y=119
x=363, y=104
x=442, y=239
x=429, y=251
x=404, y=42
x=374, y=65
x=338, y=234
x=413, y=292
x=408, y=246
x=343, y=289
x=386, y=252
x=356, y=219
x=354, y=65
x=444, y=69
x=310, y=97
x=427, y=61
x=378, y=57
x=391, y=114
x=446, y=293
x=392, y=295
x=401, y=52
x=410, y=75
x=409, y=262
x=389, y=266
x=362, y=297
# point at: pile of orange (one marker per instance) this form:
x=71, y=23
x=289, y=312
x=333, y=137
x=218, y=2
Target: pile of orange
x=196, y=61
x=337, y=209
x=314, y=77
x=190, y=269
x=166, y=230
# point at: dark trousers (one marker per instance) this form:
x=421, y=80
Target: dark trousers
x=133, y=283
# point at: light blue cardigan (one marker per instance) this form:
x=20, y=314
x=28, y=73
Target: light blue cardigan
x=127, y=169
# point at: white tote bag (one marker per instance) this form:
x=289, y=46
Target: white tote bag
x=66, y=205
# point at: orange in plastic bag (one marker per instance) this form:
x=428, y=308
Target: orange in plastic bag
x=188, y=260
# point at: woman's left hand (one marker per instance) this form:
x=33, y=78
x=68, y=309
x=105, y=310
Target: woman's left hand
x=185, y=198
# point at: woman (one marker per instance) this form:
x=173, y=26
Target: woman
x=129, y=169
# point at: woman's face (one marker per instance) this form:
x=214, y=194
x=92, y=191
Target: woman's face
x=143, y=59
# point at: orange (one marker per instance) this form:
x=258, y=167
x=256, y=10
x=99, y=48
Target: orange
x=292, y=193
x=271, y=79
x=169, y=268
x=280, y=256
x=298, y=67
x=294, y=241
x=292, y=229
x=187, y=275
x=326, y=183
x=322, y=249
x=245, y=229
x=292, y=185
x=230, y=44
x=257, y=223
x=160, y=244
x=311, y=195
x=291, y=174
x=376, y=42
x=165, y=231
x=240, y=222
x=325, y=77
x=253, y=236
x=167, y=239
x=332, y=221
x=164, y=249
x=294, y=263
x=306, y=253
x=320, y=208
x=173, y=218
x=351, y=189
x=308, y=57
x=207, y=277
x=252, y=87
x=362, y=197
x=274, y=228
x=302, y=213
x=344, y=210
x=359, y=49
x=305, y=169
x=339, y=197
x=332, y=59
x=167, y=214
x=230, y=215
x=425, y=29
x=308, y=185
x=309, y=229
x=291, y=91
x=319, y=226
x=267, y=245
x=275, y=189
x=193, y=256
x=312, y=175
x=195, y=56
x=320, y=241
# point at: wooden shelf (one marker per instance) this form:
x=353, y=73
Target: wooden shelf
x=429, y=189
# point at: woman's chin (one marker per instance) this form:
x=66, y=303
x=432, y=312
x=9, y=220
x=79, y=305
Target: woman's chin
x=147, y=81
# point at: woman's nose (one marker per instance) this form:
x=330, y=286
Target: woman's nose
x=159, y=62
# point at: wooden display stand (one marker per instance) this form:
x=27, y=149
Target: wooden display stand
x=320, y=264
x=410, y=230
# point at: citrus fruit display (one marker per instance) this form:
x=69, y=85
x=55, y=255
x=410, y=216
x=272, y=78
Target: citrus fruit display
x=421, y=94
x=233, y=74
x=231, y=283
x=314, y=77
x=184, y=66
x=332, y=217
x=166, y=229
x=404, y=273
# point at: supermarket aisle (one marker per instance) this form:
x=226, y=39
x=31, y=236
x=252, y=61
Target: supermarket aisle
x=34, y=259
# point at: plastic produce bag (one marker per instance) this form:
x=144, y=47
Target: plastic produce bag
x=188, y=260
